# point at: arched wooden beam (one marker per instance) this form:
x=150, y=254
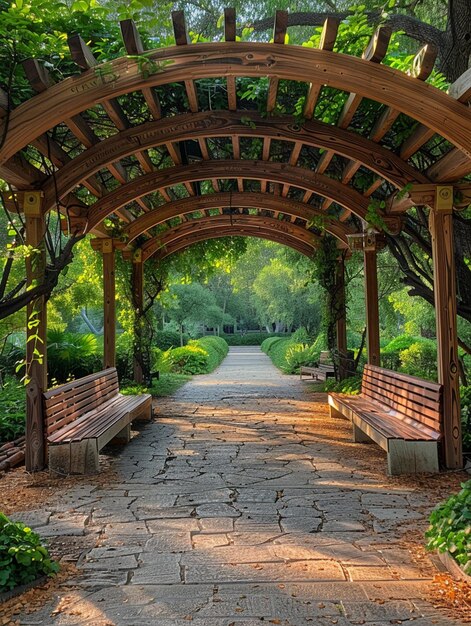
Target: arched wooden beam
x=229, y=225
x=228, y=124
x=417, y=99
x=183, y=244
x=246, y=199
x=254, y=170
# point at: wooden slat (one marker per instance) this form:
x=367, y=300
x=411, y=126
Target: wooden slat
x=179, y=28
x=453, y=166
x=428, y=385
x=420, y=394
x=230, y=35
x=279, y=34
x=327, y=42
x=229, y=24
x=110, y=372
x=182, y=39
x=293, y=159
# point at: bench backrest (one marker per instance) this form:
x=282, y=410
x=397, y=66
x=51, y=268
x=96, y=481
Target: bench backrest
x=68, y=402
x=411, y=397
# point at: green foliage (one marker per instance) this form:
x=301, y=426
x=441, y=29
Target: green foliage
x=450, y=527
x=167, y=384
x=199, y=356
x=420, y=359
x=270, y=342
x=351, y=386
x=298, y=354
x=166, y=339
x=189, y=359
x=72, y=355
x=12, y=415
x=390, y=354
x=301, y=335
x=23, y=558
x=465, y=393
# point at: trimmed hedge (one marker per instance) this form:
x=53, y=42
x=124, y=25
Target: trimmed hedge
x=199, y=356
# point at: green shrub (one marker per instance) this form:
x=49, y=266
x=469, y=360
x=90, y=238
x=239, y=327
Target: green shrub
x=71, y=355
x=298, y=354
x=216, y=348
x=12, y=415
x=165, y=339
x=450, y=527
x=270, y=343
x=189, y=359
x=390, y=357
x=300, y=336
x=277, y=352
x=351, y=386
x=420, y=359
x=23, y=558
x=124, y=356
x=320, y=342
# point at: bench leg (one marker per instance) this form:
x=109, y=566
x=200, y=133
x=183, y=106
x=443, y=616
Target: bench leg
x=333, y=411
x=412, y=457
x=143, y=413
x=359, y=436
x=78, y=457
x=123, y=437
x=59, y=459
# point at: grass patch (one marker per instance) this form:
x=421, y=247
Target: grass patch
x=167, y=384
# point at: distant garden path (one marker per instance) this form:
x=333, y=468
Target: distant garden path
x=245, y=504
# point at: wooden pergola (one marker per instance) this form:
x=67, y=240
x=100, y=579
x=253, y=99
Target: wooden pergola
x=169, y=178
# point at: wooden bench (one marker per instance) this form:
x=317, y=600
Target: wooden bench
x=84, y=415
x=322, y=371
x=402, y=414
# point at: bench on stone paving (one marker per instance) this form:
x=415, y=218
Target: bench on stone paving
x=401, y=413
x=84, y=415
x=322, y=371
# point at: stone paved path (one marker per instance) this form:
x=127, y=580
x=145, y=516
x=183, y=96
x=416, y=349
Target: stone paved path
x=244, y=504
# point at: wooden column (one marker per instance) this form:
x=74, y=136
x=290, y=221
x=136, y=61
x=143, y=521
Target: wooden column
x=371, y=296
x=36, y=326
x=441, y=229
x=342, y=321
x=138, y=303
x=109, y=303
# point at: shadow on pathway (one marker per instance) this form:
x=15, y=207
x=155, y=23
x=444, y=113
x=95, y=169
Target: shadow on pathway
x=245, y=504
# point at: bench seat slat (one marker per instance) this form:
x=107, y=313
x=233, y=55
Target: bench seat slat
x=91, y=424
x=413, y=393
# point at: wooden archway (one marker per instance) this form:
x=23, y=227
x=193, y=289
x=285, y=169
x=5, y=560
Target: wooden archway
x=277, y=205
x=332, y=172
x=186, y=234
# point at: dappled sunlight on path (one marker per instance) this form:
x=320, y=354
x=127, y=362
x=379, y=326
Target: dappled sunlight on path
x=244, y=503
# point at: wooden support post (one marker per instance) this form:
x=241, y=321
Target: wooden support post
x=372, y=305
x=138, y=304
x=109, y=303
x=36, y=326
x=441, y=229
x=341, y=321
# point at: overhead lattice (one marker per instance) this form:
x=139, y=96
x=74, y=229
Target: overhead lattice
x=136, y=145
